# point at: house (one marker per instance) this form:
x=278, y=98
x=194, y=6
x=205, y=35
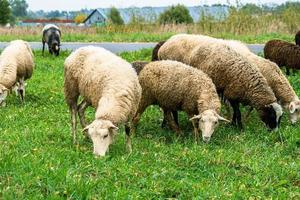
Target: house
x=42, y=22
x=97, y=18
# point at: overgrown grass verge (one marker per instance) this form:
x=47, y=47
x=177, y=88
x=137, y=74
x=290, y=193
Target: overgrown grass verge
x=141, y=33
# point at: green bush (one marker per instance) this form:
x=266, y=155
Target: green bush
x=115, y=17
x=176, y=15
x=4, y=12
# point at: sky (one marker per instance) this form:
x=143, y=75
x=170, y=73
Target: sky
x=91, y=4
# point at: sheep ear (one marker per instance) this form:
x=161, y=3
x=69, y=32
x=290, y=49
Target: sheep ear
x=223, y=119
x=111, y=126
x=5, y=89
x=292, y=107
x=196, y=117
x=86, y=128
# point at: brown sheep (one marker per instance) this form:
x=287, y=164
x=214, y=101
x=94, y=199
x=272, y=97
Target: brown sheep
x=297, y=38
x=233, y=75
x=283, y=54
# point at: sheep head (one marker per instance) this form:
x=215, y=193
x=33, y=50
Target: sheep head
x=208, y=121
x=294, y=111
x=271, y=115
x=102, y=133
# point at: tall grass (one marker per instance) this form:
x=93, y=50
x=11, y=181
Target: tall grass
x=236, y=24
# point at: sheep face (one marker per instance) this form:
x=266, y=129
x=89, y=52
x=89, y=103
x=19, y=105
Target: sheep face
x=208, y=121
x=271, y=115
x=102, y=133
x=3, y=94
x=294, y=111
x=54, y=49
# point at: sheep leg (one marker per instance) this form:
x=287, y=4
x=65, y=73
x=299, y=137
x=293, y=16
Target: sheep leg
x=81, y=110
x=196, y=131
x=236, y=120
x=128, y=137
x=287, y=71
x=172, y=123
x=175, y=116
x=142, y=107
x=73, y=110
x=21, y=89
x=43, y=47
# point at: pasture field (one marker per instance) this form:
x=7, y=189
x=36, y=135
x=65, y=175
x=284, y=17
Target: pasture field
x=39, y=161
x=137, y=33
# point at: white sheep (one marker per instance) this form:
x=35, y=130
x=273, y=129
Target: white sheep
x=176, y=86
x=16, y=66
x=110, y=85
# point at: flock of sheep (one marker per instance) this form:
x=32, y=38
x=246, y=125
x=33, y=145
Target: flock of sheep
x=190, y=73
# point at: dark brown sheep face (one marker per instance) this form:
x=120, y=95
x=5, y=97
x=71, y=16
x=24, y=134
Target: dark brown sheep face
x=271, y=116
x=54, y=49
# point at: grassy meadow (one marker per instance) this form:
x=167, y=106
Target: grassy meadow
x=39, y=161
x=148, y=33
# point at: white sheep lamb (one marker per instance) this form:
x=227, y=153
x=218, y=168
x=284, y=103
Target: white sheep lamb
x=16, y=66
x=109, y=84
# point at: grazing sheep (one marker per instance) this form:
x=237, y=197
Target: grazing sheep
x=275, y=78
x=138, y=66
x=155, y=50
x=283, y=54
x=232, y=74
x=297, y=38
x=175, y=86
x=16, y=66
x=110, y=85
x=51, y=36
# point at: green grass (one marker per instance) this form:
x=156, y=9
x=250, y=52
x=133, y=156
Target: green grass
x=39, y=161
x=147, y=37
x=103, y=37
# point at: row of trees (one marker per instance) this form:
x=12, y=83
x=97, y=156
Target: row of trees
x=175, y=14
x=12, y=9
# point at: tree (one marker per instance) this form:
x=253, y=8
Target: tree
x=4, y=12
x=115, y=17
x=80, y=18
x=19, y=8
x=54, y=14
x=176, y=15
x=251, y=9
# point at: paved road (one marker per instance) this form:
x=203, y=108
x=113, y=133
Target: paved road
x=117, y=47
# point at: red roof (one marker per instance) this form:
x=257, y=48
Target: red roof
x=47, y=21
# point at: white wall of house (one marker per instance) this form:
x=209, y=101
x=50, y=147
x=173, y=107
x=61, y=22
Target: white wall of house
x=96, y=18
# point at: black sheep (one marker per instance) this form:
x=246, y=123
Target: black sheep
x=51, y=36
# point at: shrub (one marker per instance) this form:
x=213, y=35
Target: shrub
x=80, y=18
x=176, y=15
x=4, y=12
x=115, y=17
